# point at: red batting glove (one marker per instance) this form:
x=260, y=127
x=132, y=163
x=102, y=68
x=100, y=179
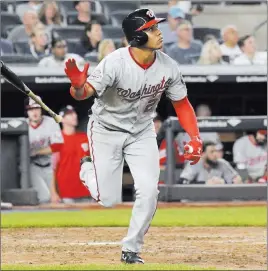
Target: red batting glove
x=78, y=78
x=193, y=150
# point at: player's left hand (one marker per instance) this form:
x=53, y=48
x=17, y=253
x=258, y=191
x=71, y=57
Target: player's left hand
x=193, y=150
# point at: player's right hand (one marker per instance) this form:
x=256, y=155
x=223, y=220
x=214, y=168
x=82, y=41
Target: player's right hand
x=193, y=150
x=78, y=78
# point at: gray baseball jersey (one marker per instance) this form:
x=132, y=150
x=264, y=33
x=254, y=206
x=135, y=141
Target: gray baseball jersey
x=129, y=94
x=121, y=128
x=42, y=136
x=199, y=173
x=249, y=156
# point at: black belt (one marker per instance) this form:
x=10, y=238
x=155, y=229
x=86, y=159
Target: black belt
x=46, y=165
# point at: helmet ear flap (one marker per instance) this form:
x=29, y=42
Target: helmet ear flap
x=139, y=40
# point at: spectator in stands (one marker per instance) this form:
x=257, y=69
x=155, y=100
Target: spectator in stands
x=84, y=12
x=49, y=13
x=210, y=169
x=38, y=46
x=250, y=156
x=6, y=47
x=185, y=50
x=105, y=48
x=189, y=9
x=66, y=184
x=249, y=55
x=211, y=53
x=229, y=46
x=91, y=38
x=31, y=5
x=168, y=29
x=24, y=31
x=59, y=55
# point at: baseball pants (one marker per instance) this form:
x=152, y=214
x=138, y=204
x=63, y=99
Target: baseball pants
x=103, y=176
x=41, y=178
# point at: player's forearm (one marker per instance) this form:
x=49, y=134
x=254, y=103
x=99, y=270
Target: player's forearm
x=44, y=151
x=186, y=116
x=82, y=93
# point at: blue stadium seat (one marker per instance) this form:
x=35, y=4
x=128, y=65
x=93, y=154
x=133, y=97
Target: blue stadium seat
x=8, y=20
x=112, y=32
x=19, y=59
x=200, y=33
x=110, y=6
x=92, y=57
x=72, y=32
x=21, y=47
x=72, y=15
x=118, y=16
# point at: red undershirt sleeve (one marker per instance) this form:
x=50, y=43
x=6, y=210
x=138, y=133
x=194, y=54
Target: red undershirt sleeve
x=186, y=116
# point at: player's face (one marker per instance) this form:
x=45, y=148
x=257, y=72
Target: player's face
x=211, y=153
x=60, y=49
x=84, y=6
x=185, y=33
x=96, y=33
x=70, y=119
x=155, y=39
x=261, y=139
x=34, y=114
x=231, y=36
x=40, y=38
x=249, y=46
x=50, y=11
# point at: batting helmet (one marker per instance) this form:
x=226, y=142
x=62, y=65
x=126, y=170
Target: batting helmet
x=30, y=103
x=136, y=22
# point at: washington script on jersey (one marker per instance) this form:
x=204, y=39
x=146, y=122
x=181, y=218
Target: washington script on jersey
x=144, y=92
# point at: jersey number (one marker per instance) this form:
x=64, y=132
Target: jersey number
x=150, y=106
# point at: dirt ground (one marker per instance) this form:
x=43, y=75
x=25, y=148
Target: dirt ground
x=221, y=247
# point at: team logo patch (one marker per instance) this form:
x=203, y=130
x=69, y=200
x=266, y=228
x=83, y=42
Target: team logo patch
x=150, y=13
x=97, y=75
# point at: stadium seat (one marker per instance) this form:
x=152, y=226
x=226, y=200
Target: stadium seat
x=72, y=32
x=110, y=6
x=19, y=59
x=161, y=14
x=69, y=6
x=118, y=16
x=112, y=32
x=92, y=57
x=8, y=20
x=71, y=16
x=21, y=47
x=200, y=33
x=4, y=6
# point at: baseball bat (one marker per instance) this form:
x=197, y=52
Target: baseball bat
x=13, y=79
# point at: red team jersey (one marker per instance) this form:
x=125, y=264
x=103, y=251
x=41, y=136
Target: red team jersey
x=68, y=166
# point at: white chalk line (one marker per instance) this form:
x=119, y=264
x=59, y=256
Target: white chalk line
x=97, y=244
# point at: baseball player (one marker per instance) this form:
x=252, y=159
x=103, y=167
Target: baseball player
x=127, y=86
x=250, y=155
x=66, y=185
x=45, y=137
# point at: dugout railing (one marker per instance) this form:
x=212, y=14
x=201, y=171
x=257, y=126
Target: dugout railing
x=169, y=191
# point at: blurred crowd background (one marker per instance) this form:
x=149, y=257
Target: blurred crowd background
x=47, y=33
x=52, y=31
